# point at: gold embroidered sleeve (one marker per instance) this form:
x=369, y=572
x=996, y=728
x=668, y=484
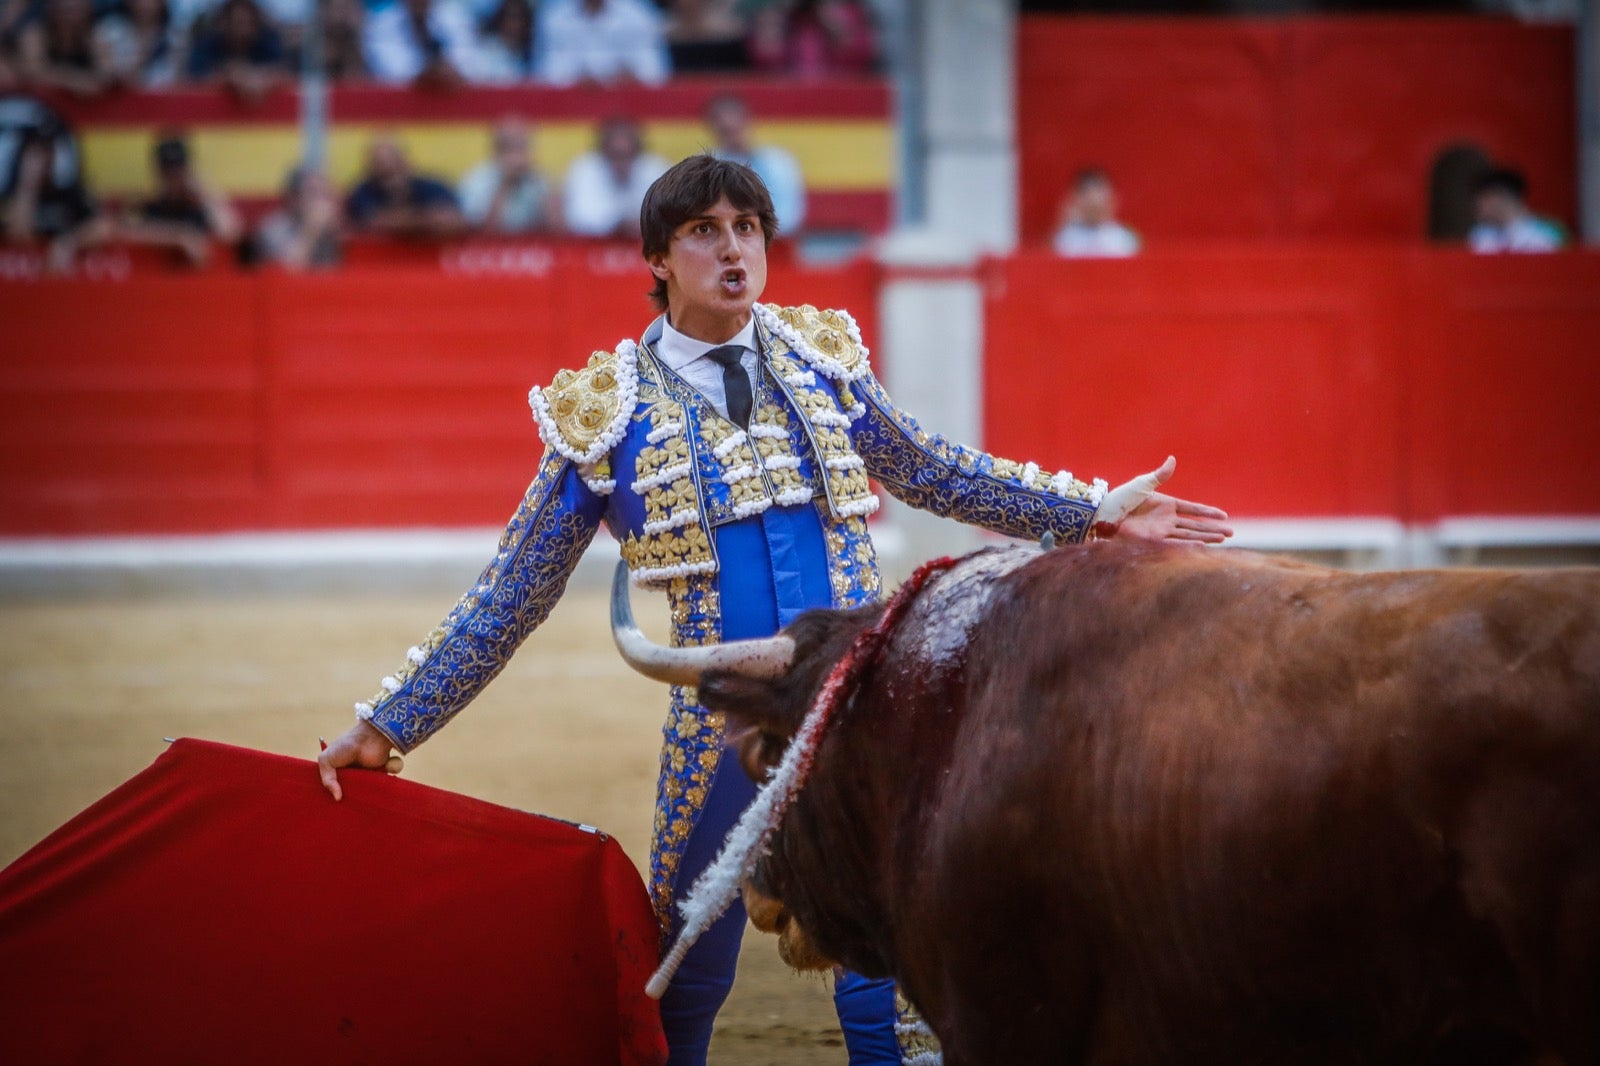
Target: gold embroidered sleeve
x=928, y=471
x=514, y=594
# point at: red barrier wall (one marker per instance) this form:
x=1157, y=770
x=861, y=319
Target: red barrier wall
x=1411, y=384
x=1373, y=381
x=1295, y=128
x=364, y=399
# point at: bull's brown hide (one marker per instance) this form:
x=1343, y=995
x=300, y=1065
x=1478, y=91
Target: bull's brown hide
x=1173, y=806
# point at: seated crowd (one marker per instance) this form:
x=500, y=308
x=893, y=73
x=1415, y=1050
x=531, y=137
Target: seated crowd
x=88, y=47
x=46, y=204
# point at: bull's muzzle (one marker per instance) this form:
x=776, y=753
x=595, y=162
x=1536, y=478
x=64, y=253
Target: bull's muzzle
x=762, y=660
x=794, y=945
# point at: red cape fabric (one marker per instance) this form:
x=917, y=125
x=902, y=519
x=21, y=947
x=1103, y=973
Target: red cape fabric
x=206, y=911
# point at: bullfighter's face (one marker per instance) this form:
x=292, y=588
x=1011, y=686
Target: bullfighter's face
x=715, y=267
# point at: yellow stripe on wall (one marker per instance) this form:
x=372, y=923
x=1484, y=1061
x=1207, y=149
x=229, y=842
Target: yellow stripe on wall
x=253, y=160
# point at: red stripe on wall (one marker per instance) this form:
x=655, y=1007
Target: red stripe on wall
x=683, y=98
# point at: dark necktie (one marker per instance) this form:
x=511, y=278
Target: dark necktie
x=735, y=382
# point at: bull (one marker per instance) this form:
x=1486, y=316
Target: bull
x=1135, y=804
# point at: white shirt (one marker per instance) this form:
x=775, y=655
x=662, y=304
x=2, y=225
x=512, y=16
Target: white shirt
x=626, y=37
x=595, y=204
x=393, y=52
x=687, y=358
x=525, y=207
x=1111, y=239
x=1530, y=233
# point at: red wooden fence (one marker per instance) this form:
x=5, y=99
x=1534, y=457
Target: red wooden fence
x=1375, y=381
x=387, y=397
x=1389, y=382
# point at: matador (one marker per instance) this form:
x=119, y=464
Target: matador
x=731, y=451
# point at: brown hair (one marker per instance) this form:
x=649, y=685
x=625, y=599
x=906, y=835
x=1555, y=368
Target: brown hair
x=685, y=191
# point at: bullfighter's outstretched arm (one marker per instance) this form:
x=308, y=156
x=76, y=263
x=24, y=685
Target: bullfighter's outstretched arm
x=928, y=471
x=515, y=593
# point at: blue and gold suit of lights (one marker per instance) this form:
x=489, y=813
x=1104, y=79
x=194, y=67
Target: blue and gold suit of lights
x=745, y=529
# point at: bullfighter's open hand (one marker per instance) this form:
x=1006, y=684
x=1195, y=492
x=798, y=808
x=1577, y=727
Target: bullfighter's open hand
x=1137, y=510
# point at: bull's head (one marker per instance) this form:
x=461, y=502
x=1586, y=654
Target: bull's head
x=764, y=688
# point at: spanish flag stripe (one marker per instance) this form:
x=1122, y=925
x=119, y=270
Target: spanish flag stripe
x=846, y=156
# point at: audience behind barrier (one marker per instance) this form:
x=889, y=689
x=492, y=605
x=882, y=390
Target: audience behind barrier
x=43, y=200
x=89, y=47
x=728, y=120
x=605, y=187
x=507, y=193
x=508, y=44
x=1503, y=221
x=815, y=38
x=426, y=42
x=144, y=42
x=603, y=42
x=305, y=231
x=707, y=36
x=1088, y=226
x=393, y=201
x=239, y=49
x=45, y=204
x=184, y=214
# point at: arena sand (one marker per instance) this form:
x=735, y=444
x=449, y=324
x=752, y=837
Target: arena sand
x=89, y=685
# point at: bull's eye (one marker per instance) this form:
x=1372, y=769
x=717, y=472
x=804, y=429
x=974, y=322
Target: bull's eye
x=772, y=747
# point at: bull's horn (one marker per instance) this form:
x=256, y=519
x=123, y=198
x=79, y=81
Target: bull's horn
x=760, y=659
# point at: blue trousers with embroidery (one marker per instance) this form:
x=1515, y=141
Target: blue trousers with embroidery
x=774, y=567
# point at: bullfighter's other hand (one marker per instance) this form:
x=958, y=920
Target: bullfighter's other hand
x=360, y=746
x=1137, y=510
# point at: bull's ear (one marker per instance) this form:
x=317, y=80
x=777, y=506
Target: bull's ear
x=758, y=726
x=760, y=751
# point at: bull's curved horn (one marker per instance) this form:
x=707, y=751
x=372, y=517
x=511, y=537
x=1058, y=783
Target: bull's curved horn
x=760, y=659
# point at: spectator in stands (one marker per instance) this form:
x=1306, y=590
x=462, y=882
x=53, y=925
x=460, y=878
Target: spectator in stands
x=729, y=120
x=185, y=215
x=289, y=18
x=1505, y=223
x=304, y=232
x=144, y=42
x=239, y=49
x=603, y=41
x=1089, y=226
x=506, y=193
x=47, y=202
x=394, y=202
x=605, y=187
x=14, y=15
x=426, y=42
x=343, y=24
x=60, y=50
x=506, y=46
x=815, y=38
x=706, y=35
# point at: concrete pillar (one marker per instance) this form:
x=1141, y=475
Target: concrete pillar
x=931, y=353
x=963, y=56
x=1588, y=41
x=956, y=73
